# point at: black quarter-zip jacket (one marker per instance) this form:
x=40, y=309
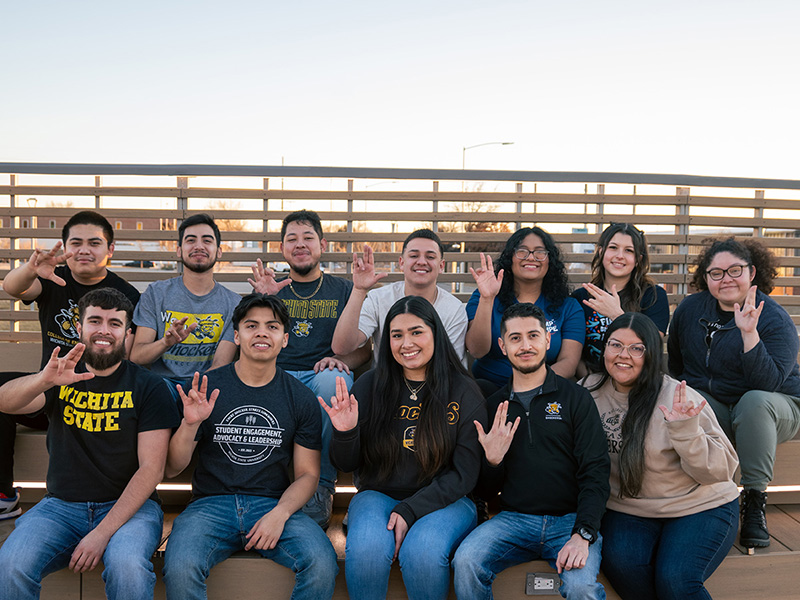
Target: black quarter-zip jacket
x=558, y=460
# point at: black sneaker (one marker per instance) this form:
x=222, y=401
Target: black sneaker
x=753, y=533
x=320, y=506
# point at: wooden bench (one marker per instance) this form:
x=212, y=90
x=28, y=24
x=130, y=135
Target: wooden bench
x=241, y=574
x=739, y=576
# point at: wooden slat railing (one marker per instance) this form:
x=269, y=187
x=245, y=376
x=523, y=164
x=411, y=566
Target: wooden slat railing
x=145, y=203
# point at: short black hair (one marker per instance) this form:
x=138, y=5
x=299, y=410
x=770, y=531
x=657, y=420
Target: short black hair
x=303, y=216
x=425, y=234
x=199, y=219
x=522, y=310
x=88, y=217
x=108, y=299
x=256, y=300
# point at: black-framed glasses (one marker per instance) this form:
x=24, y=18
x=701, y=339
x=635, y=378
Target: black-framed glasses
x=734, y=271
x=615, y=348
x=522, y=253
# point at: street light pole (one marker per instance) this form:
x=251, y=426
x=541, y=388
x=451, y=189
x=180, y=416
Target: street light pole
x=465, y=148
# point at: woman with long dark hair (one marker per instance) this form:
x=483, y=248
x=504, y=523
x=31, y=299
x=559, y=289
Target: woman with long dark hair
x=529, y=269
x=672, y=513
x=738, y=347
x=620, y=283
x=408, y=429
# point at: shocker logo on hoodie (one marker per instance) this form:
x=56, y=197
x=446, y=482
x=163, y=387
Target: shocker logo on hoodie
x=553, y=410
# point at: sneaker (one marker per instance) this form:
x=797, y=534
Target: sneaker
x=754, y=533
x=482, y=508
x=9, y=507
x=320, y=506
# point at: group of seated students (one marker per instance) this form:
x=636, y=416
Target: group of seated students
x=598, y=456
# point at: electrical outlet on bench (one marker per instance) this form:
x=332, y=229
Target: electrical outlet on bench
x=542, y=584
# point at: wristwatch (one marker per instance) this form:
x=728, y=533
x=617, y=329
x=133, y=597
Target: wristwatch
x=587, y=535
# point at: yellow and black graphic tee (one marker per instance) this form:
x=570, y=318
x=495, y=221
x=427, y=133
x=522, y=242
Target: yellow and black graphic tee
x=94, y=426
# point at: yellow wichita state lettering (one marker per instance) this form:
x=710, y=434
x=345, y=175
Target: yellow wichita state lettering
x=298, y=309
x=93, y=403
x=64, y=393
x=323, y=308
x=69, y=415
x=115, y=398
x=127, y=400
x=79, y=400
x=111, y=421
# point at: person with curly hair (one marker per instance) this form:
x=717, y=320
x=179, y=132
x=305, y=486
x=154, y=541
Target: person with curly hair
x=529, y=269
x=738, y=347
x=620, y=283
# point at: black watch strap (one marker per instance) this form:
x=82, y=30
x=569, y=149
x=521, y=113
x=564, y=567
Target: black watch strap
x=587, y=535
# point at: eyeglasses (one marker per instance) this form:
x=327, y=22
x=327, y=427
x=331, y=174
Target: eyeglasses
x=734, y=271
x=538, y=254
x=614, y=348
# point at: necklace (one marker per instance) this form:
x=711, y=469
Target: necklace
x=314, y=293
x=412, y=390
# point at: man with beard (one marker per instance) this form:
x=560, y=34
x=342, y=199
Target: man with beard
x=110, y=424
x=314, y=300
x=56, y=281
x=552, y=475
x=184, y=323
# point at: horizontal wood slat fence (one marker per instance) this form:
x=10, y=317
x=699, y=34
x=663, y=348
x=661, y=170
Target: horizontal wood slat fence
x=473, y=211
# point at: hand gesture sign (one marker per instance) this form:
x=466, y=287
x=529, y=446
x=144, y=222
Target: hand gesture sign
x=682, y=409
x=497, y=442
x=488, y=283
x=196, y=406
x=364, y=275
x=263, y=280
x=61, y=371
x=44, y=262
x=603, y=302
x=343, y=410
x=177, y=331
x=746, y=316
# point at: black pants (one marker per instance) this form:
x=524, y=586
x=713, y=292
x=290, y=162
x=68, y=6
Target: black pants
x=8, y=435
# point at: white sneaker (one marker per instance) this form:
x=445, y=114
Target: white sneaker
x=9, y=507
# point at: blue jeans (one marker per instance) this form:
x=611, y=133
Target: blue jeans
x=45, y=536
x=512, y=538
x=323, y=384
x=212, y=528
x=424, y=556
x=667, y=558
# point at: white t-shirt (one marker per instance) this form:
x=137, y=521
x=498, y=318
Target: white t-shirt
x=378, y=302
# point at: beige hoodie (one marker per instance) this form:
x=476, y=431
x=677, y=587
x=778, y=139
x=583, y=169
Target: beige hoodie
x=689, y=464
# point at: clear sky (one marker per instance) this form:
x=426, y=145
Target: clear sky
x=706, y=87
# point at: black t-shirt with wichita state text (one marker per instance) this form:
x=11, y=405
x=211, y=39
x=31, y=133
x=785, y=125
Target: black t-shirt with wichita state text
x=94, y=427
x=312, y=320
x=58, y=308
x=246, y=444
